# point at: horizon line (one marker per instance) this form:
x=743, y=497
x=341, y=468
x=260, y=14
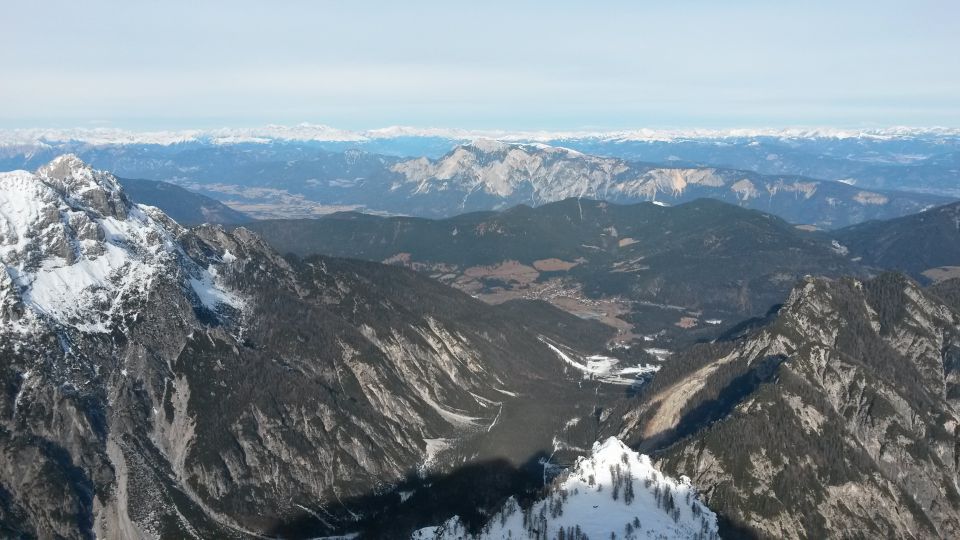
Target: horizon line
x=313, y=132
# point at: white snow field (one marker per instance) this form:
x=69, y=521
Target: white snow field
x=612, y=493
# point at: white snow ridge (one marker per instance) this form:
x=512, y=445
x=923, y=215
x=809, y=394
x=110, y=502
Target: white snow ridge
x=613, y=493
x=76, y=252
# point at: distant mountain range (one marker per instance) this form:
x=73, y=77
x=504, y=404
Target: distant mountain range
x=910, y=161
x=304, y=179
x=488, y=174
x=899, y=158
x=307, y=132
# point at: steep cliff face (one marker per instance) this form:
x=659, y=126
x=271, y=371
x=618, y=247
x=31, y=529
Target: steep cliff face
x=489, y=174
x=838, y=418
x=165, y=382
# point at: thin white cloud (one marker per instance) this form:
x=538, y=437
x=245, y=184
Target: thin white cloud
x=616, y=64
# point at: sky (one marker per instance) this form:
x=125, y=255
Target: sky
x=554, y=65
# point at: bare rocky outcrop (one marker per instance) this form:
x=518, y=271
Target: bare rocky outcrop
x=491, y=174
x=852, y=433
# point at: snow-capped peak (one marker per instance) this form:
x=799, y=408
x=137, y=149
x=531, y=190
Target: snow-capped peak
x=40, y=137
x=76, y=252
x=79, y=183
x=613, y=492
x=488, y=145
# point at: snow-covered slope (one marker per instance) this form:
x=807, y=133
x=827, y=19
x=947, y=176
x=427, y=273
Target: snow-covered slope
x=614, y=492
x=77, y=253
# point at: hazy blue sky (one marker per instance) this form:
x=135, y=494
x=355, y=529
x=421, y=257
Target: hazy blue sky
x=551, y=65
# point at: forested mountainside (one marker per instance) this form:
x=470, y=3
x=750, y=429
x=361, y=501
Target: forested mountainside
x=837, y=419
x=691, y=271
x=924, y=245
x=182, y=205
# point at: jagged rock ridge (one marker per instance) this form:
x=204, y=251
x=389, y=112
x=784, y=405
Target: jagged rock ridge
x=838, y=418
x=490, y=174
x=168, y=382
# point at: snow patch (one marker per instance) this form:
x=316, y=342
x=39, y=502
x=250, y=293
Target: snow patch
x=89, y=292
x=452, y=417
x=211, y=294
x=605, y=368
x=613, y=492
x=433, y=449
x=47, y=137
x=660, y=354
x=78, y=253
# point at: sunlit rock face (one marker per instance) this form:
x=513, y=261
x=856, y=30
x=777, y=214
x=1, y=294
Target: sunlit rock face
x=838, y=414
